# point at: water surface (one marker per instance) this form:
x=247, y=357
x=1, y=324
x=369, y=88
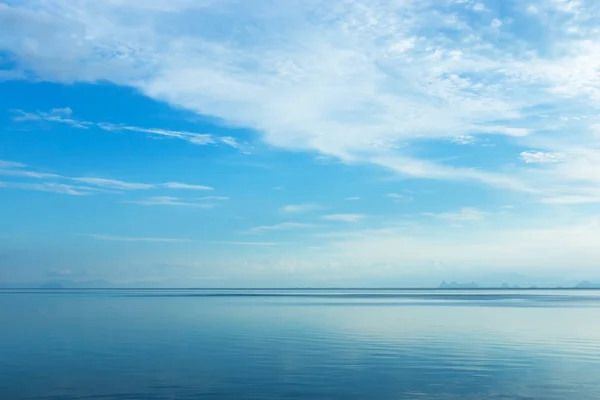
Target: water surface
x=299, y=344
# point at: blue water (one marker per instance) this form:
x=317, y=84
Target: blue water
x=299, y=344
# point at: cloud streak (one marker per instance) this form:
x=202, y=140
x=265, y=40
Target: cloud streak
x=540, y=157
x=94, y=184
x=51, y=187
x=399, y=198
x=343, y=217
x=280, y=227
x=11, y=164
x=112, y=238
x=186, y=186
x=169, y=201
x=464, y=214
x=63, y=116
x=300, y=208
x=113, y=184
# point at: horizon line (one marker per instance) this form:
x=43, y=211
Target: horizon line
x=303, y=288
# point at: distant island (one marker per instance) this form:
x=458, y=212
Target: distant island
x=475, y=285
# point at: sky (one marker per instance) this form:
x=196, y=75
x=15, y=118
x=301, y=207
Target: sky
x=299, y=143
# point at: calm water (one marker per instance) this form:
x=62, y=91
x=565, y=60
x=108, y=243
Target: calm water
x=342, y=344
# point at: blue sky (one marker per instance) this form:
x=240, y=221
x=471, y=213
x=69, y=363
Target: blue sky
x=253, y=143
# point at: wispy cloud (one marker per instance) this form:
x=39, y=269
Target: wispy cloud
x=169, y=201
x=300, y=208
x=123, y=185
x=60, y=188
x=63, y=115
x=464, y=214
x=60, y=115
x=464, y=139
x=573, y=199
x=541, y=157
x=478, y=7
x=216, y=198
x=113, y=184
x=11, y=164
x=194, y=138
x=280, y=227
x=179, y=185
x=344, y=217
x=353, y=198
x=52, y=182
x=228, y=140
x=399, y=198
x=113, y=238
x=28, y=174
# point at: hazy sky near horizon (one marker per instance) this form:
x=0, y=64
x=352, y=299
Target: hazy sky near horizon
x=260, y=142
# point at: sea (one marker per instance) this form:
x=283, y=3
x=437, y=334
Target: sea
x=127, y=344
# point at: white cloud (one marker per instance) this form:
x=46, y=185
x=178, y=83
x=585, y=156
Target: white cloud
x=113, y=238
x=218, y=198
x=528, y=246
x=169, y=201
x=228, y=140
x=540, y=157
x=304, y=95
x=464, y=214
x=464, y=139
x=496, y=23
x=27, y=174
x=179, y=185
x=344, y=217
x=509, y=130
x=113, y=184
x=62, y=111
x=194, y=138
x=532, y=9
x=568, y=174
x=60, y=188
x=14, y=169
x=353, y=198
x=62, y=115
x=280, y=226
x=362, y=82
x=117, y=184
x=11, y=164
x=574, y=199
x=300, y=208
x=399, y=198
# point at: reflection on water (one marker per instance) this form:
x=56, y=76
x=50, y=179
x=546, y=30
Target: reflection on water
x=302, y=344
